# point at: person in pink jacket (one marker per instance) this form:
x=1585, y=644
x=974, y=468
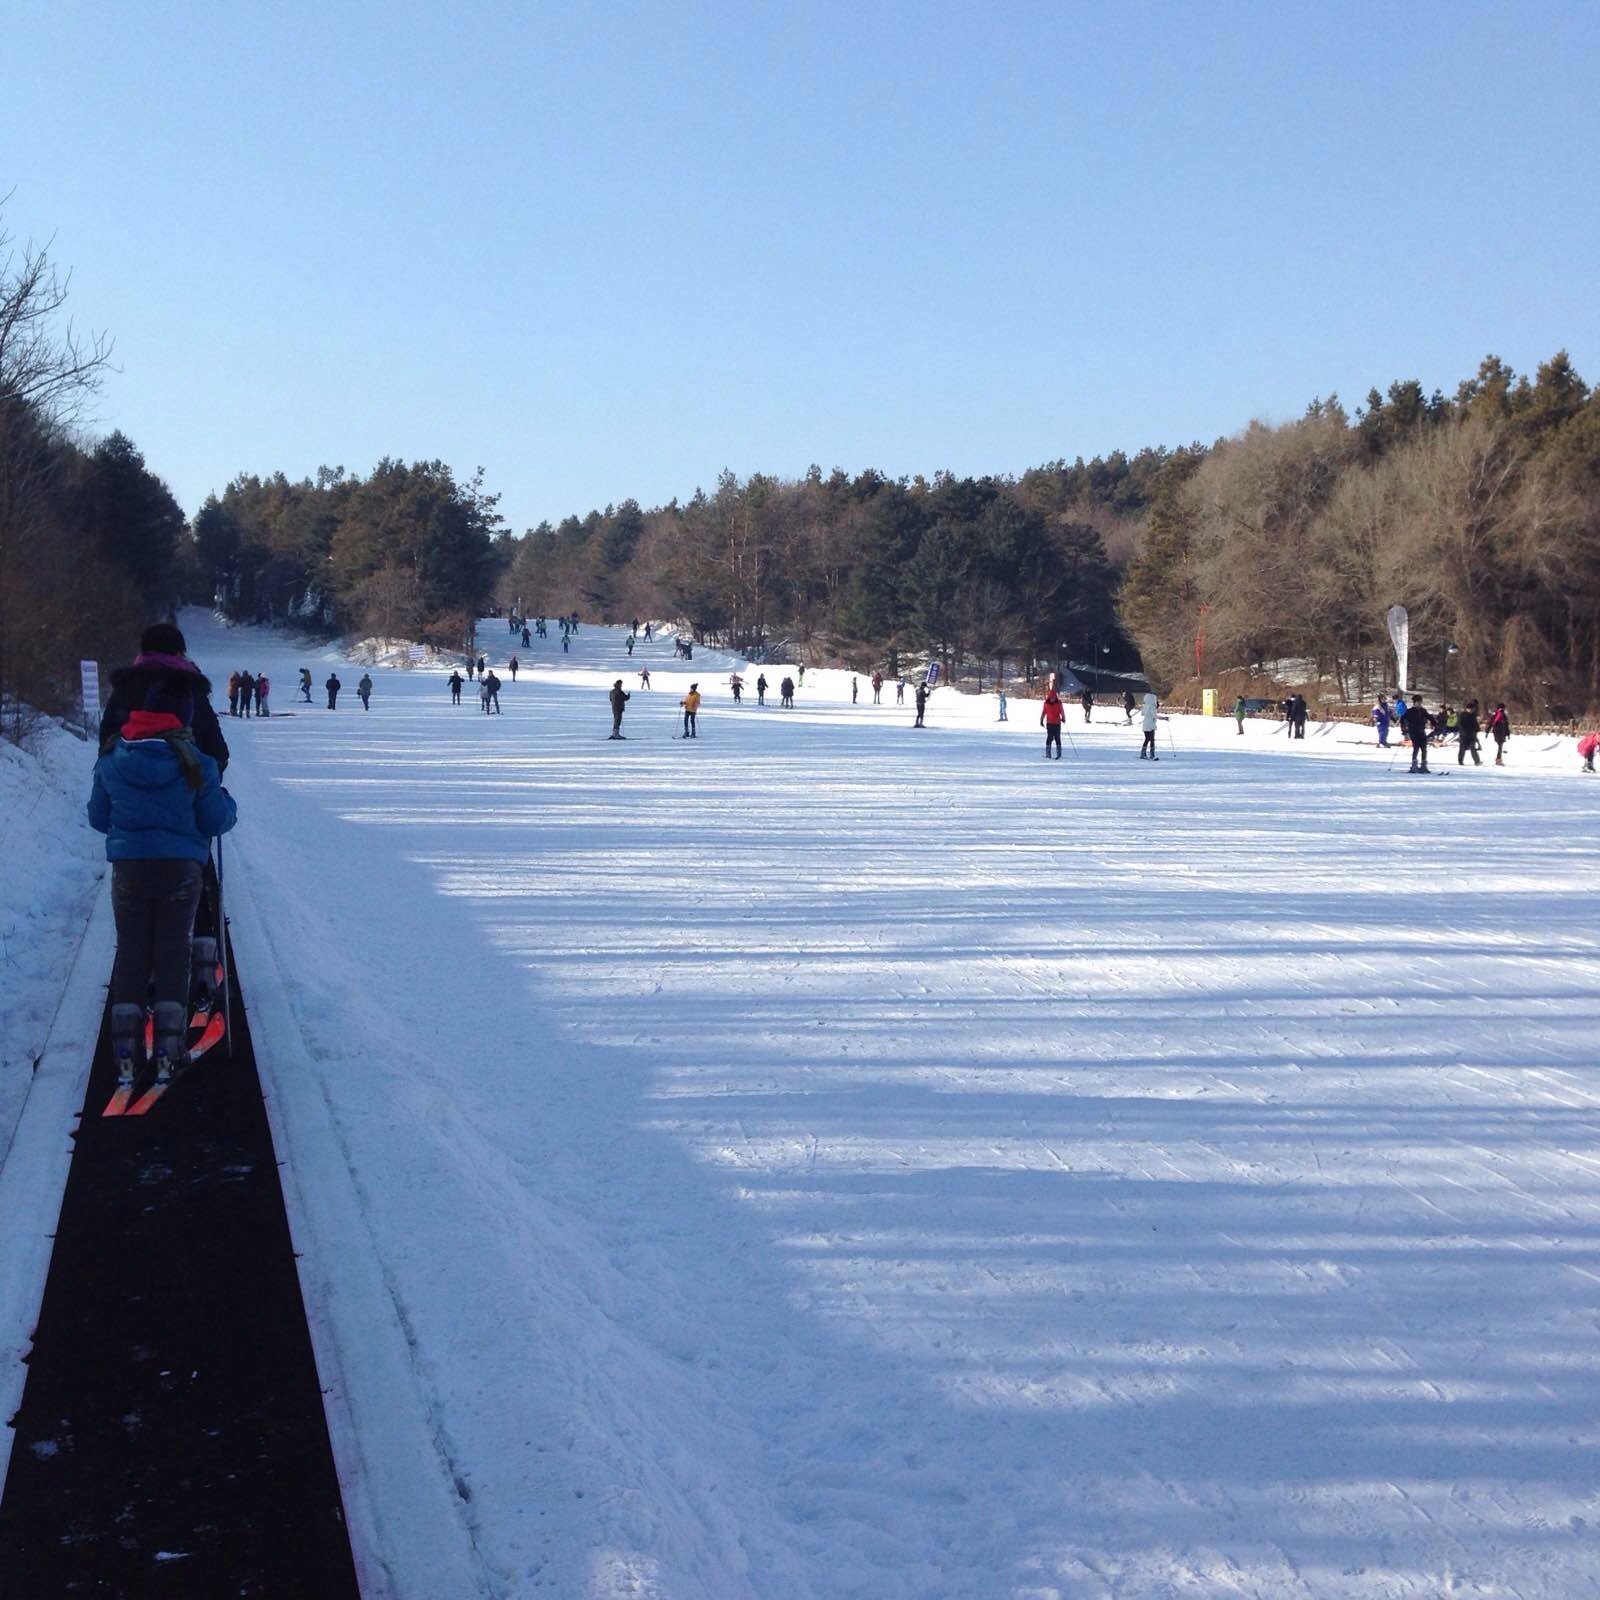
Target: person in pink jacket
x=1587, y=746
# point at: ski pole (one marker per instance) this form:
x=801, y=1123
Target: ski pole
x=1170, y=744
x=1071, y=742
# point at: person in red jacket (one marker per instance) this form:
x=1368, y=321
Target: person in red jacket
x=1050, y=715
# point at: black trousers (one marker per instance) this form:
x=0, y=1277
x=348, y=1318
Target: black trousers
x=1052, y=736
x=1148, y=748
x=154, y=904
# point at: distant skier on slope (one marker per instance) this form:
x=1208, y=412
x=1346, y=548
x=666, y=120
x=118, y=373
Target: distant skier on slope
x=1467, y=736
x=333, y=686
x=619, y=703
x=455, y=680
x=761, y=689
x=923, y=691
x=786, y=692
x=1382, y=716
x=1087, y=698
x=1499, y=731
x=159, y=800
x=691, y=710
x=364, y=689
x=161, y=651
x=1050, y=717
x=1127, y=708
x=305, y=684
x=1417, y=722
x=491, y=695
x=1148, y=748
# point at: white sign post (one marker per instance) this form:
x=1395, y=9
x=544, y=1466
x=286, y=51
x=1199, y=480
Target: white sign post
x=91, y=695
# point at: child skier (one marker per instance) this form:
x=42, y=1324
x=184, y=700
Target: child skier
x=159, y=800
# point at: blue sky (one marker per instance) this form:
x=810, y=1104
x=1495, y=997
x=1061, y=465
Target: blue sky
x=607, y=250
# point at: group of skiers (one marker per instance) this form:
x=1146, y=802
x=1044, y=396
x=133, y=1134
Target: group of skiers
x=1422, y=727
x=247, y=692
x=488, y=687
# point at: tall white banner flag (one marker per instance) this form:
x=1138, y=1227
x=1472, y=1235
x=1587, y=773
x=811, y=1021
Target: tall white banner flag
x=1400, y=636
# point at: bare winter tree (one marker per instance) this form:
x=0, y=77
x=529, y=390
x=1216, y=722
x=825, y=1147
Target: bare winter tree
x=48, y=373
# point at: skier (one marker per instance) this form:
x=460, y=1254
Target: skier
x=855, y=691
x=162, y=650
x=566, y=642
x=649, y=632
x=471, y=667
x=481, y=666
x=512, y=663
x=736, y=683
x=635, y=633
x=1415, y=722
x=786, y=692
x=802, y=677
x=1127, y=709
x=247, y=694
x=233, y=694
x=305, y=684
x=1587, y=746
x=1002, y=705
x=1382, y=715
x=644, y=677
x=1400, y=709
x=691, y=708
x=455, y=681
x=1087, y=699
x=364, y=689
x=923, y=691
x=1298, y=711
x=333, y=686
x=1148, y=748
x=263, y=689
x=159, y=801
x=619, y=701
x=1050, y=715
x=1499, y=731
x=877, y=687
x=491, y=694
x=761, y=690
x=629, y=642
x=900, y=692
x=526, y=637
x=1467, y=736
x=1238, y=714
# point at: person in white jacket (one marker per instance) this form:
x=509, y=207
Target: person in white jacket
x=1148, y=748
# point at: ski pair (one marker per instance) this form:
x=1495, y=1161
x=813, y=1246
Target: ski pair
x=207, y=1027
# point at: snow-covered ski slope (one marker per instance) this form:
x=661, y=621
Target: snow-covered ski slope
x=830, y=1159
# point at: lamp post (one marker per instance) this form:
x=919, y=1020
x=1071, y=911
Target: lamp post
x=1444, y=675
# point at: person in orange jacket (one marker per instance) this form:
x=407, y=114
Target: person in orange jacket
x=691, y=706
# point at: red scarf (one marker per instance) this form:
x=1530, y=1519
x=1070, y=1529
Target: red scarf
x=148, y=724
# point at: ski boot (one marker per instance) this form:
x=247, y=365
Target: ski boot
x=203, y=975
x=171, y=1046
x=127, y=1023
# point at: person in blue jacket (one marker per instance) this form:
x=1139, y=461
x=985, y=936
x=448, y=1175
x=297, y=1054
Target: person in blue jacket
x=159, y=801
x=1383, y=716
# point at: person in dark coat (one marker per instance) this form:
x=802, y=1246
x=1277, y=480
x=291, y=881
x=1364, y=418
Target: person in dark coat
x=333, y=686
x=923, y=691
x=364, y=689
x=1128, y=705
x=761, y=690
x=1499, y=731
x=619, y=704
x=491, y=693
x=1417, y=723
x=1467, y=735
x=786, y=692
x=1087, y=699
x=161, y=651
x=455, y=681
x=1298, y=711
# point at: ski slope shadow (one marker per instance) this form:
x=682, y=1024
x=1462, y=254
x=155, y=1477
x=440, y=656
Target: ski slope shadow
x=906, y=1193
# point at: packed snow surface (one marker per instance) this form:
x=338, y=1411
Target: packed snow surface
x=828, y=1158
